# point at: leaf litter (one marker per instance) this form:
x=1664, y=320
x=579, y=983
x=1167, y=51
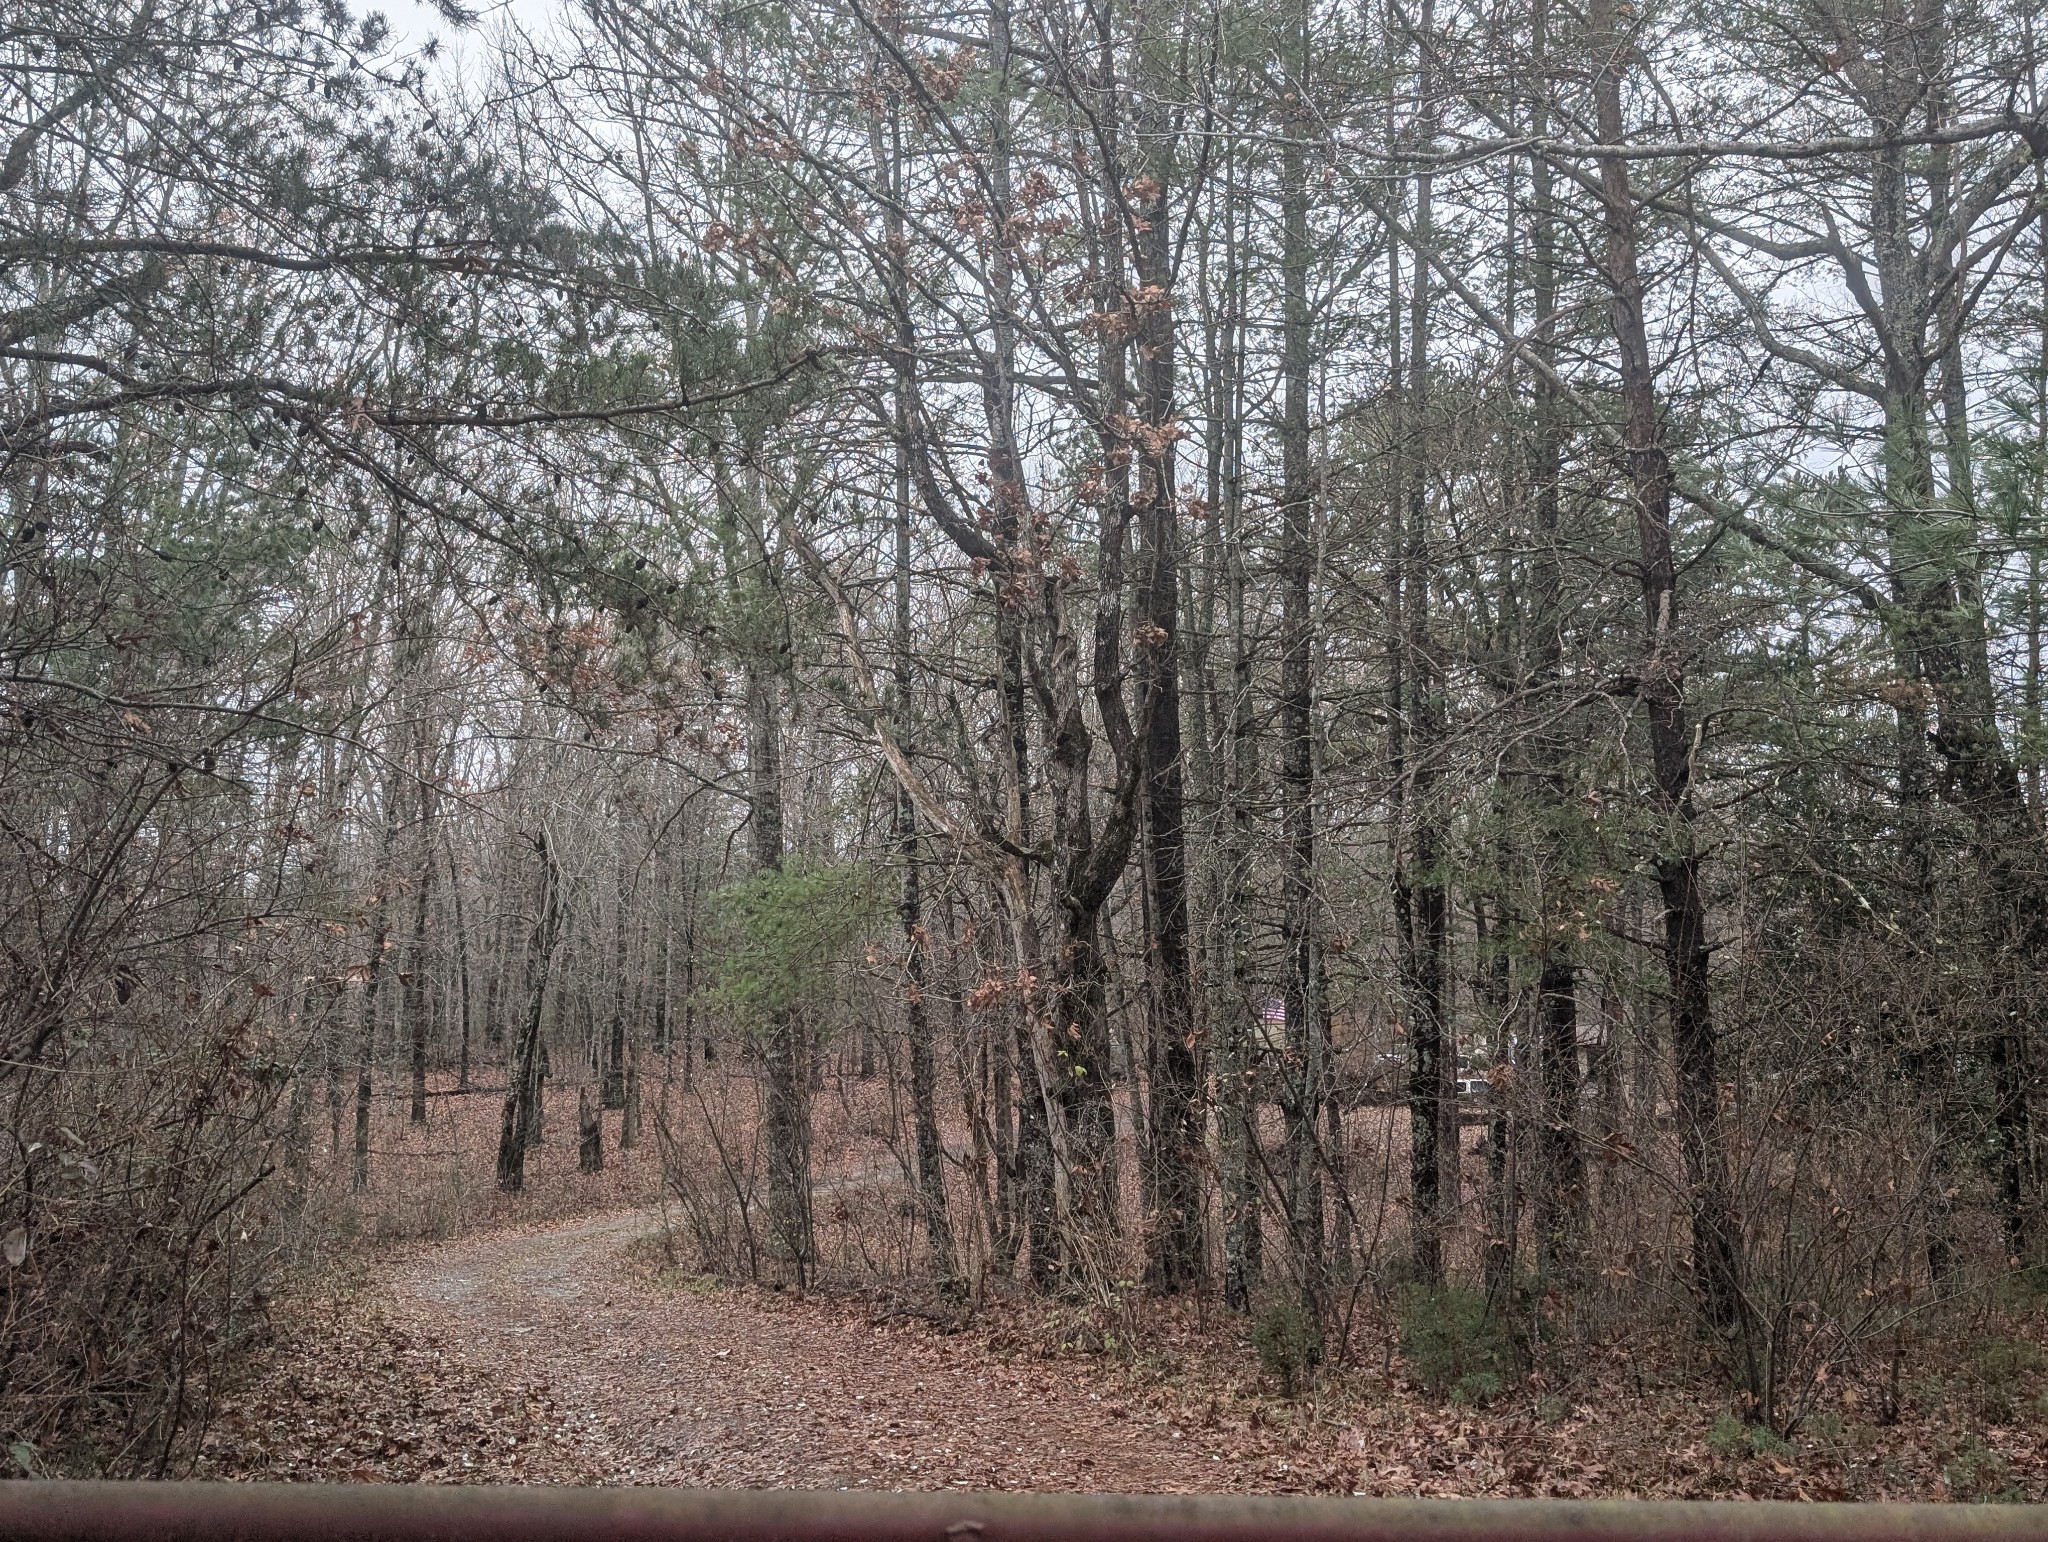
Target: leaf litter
x=563, y=1353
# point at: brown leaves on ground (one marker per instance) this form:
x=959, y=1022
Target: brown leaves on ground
x=359, y=1395
x=544, y=1356
x=533, y=1357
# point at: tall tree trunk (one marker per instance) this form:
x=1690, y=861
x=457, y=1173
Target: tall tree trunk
x=786, y=1122
x=1715, y=1236
x=613, y=1088
x=464, y=1006
x=414, y=978
x=379, y=921
x=523, y=1072
x=931, y=1172
x=1433, y=1134
x=1305, y=1068
x=1561, y=1183
x=1237, y=1044
x=1071, y=1048
x=1174, y=1060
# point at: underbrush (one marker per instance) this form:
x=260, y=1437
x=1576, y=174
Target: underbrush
x=438, y=1181
x=152, y=1211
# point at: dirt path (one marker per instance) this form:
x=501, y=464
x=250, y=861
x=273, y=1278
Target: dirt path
x=509, y=1356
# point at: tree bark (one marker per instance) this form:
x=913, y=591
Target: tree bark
x=523, y=1070
x=1306, y=1068
x=786, y=1121
x=414, y=979
x=1174, y=1061
x=1236, y=1024
x=1422, y=904
x=1715, y=1236
x=613, y=1089
x=589, y=1133
x=1561, y=1198
x=379, y=921
x=931, y=1172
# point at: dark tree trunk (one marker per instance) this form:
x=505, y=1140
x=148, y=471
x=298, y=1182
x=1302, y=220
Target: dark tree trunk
x=1306, y=1064
x=373, y=977
x=1176, y=1117
x=1715, y=1236
x=589, y=1133
x=614, y=1085
x=931, y=1172
x=521, y=1121
x=1422, y=907
x=462, y=980
x=1236, y=1030
x=414, y=979
x=785, y=1054
x=1560, y=1165
x=1561, y=1197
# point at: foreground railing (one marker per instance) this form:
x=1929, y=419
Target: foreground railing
x=235, y=1512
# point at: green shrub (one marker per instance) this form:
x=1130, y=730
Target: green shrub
x=1737, y=1439
x=2001, y=1365
x=779, y=939
x=1476, y=1389
x=1453, y=1344
x=1826, y=1429
x=1928, y=1395
x=1765, y=1441
x=1979, y=1475
x=2025, y=1287
x=1288, y=1341
x=1999, y=1362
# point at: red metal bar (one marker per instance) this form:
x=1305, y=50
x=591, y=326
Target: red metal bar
x=235, y=1512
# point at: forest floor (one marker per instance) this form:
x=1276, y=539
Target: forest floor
x=549, y=1337
x=564, y=1352
x=559, y=1355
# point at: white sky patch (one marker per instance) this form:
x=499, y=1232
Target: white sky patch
x=415, y=24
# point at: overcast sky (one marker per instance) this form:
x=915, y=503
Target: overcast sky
x=414, y=23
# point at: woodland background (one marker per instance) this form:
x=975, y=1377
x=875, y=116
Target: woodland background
x=1381, y=660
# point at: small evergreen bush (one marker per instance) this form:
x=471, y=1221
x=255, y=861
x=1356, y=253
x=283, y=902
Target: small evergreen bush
x=1287, y=1340
x=1454, y=1345
x=1736, y=1438
x=1979, y=1475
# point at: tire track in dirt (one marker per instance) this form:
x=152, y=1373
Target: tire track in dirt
x=722, y=1387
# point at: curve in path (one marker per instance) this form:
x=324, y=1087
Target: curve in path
x=722, y=1388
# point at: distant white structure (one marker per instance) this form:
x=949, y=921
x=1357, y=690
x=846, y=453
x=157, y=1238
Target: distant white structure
x=1273, y=1025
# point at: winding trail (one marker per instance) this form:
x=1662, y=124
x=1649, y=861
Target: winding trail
x=728, y=1387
